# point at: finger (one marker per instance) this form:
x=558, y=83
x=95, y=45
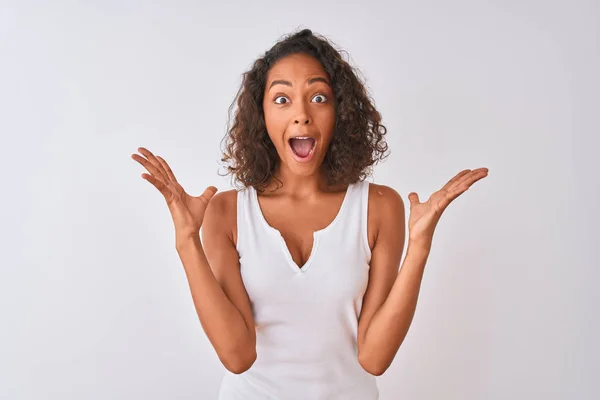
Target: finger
x=456, y=178
x=162, y=188
x=452, y=195
x=148, y=154
x=154, y=161
x=468, y=179
x=167, y=169
x=413, y=198
x=460, y=188
x=208, y=194
x=149, y=167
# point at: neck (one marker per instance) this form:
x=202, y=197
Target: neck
x=299, y=185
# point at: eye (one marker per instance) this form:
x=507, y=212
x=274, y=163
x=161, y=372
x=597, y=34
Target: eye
x=321, y=98
x=281, y=102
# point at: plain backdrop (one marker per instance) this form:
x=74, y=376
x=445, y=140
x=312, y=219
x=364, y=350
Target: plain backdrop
x=94, y=303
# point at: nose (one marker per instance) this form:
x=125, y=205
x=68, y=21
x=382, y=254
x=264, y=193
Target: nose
x=303, y=116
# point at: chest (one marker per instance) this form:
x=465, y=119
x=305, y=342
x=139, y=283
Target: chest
x=336, y=273
x=297, y=223
x=295, y=254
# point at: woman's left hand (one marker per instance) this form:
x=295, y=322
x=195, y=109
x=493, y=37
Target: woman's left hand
x=425, y=216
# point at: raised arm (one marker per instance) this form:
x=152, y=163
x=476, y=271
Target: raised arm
x=391, y=298
x=214, y=279
x=213, y=273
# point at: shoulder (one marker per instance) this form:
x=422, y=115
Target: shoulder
x=223, y=203
x=386, y=211
x=384, y=199
x=221, y=214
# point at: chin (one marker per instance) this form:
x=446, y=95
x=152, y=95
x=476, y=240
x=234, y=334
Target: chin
x=304, y=169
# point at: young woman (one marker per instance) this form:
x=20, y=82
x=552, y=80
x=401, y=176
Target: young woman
x=296, y=279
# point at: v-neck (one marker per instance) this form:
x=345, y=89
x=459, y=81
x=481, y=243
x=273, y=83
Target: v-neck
x=316, y=234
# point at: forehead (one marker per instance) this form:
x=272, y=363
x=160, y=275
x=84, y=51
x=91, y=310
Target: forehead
x=296, y=67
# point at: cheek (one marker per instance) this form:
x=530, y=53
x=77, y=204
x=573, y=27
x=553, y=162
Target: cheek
x=327, y=123
x=275, y=127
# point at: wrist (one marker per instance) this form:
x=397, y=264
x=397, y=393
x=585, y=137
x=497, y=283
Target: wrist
x=420, y=245
x=184, y=240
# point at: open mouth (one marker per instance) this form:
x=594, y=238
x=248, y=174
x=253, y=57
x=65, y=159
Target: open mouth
x=302, y=147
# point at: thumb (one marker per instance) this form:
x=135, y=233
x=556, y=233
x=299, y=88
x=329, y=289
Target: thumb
x=413, y=198
x=208, y=194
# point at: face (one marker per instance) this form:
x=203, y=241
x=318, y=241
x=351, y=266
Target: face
x=299, y=112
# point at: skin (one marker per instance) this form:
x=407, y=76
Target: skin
x=303, y=205
x=298, y=101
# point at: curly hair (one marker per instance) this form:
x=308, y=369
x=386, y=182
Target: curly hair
x=358, y=138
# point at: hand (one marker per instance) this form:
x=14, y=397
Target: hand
x=425, y=216
x=187, y=211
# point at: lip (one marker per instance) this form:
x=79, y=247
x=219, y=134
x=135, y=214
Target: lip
x=312, y=152
x=301, y=134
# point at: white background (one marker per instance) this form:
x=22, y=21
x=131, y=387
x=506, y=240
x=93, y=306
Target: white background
x=94, y=302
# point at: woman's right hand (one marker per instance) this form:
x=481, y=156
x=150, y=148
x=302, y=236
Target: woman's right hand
x=187, y=211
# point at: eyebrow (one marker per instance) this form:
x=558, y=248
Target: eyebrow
x=288, y=83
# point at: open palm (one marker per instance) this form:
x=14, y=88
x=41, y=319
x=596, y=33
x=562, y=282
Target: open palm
x=187, y=211
x=425, y=216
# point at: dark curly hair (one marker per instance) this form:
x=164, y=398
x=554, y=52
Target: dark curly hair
x=358, y=139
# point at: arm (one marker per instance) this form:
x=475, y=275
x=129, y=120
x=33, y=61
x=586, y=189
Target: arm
x=213, y=273
x=390, y=301
x=389, y=311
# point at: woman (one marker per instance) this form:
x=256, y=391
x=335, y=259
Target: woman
x=296, y=280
